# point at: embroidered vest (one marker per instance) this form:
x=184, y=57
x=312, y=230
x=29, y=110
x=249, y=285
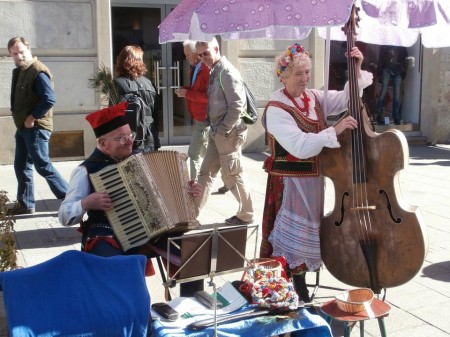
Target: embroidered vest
x=281, y=162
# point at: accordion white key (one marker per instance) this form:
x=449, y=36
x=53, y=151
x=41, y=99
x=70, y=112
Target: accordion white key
x=149, y=196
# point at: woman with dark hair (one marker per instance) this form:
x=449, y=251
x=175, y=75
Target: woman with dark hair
x=129, y=71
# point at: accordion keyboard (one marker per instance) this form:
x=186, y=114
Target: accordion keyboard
x=126, y=222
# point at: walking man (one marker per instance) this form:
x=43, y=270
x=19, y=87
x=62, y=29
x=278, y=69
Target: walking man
x=32, y=100
x=197, y=101
x=227, y=134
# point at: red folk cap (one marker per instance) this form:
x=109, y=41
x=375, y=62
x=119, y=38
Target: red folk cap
x=107, y=119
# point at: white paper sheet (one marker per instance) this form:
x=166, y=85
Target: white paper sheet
x=190, y=310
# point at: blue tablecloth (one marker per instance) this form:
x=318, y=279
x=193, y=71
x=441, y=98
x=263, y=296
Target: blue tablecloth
x=78, y=294
x=301, y=324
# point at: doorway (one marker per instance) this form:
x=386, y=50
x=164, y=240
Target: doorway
x=166, y=64
x=410, y=90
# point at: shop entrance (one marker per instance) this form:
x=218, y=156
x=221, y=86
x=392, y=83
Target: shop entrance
x=167, y=67
x=410, y=60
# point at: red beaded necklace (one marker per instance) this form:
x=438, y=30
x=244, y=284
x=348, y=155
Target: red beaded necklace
x=305, y=99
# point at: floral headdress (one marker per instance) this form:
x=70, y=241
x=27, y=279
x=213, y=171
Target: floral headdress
x=290, y=54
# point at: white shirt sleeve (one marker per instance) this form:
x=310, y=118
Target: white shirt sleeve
x=70, y=212
x=298, y=143
x=337, y=101
x=305, y=145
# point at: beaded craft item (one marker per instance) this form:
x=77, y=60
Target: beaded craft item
x=269, y=291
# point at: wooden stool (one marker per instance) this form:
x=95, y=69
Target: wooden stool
x=379, y=310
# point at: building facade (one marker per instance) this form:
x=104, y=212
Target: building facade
x=75, y=37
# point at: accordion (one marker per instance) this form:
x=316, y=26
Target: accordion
x=149, y=196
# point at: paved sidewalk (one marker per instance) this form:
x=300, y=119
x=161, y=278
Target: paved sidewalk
x=419, y=308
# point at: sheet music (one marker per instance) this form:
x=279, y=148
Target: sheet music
x=190, y=310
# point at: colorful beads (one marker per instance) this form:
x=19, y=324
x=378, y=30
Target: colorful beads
x=269, y=291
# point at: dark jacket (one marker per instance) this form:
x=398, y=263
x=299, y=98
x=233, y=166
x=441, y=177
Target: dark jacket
x=94, y=163
x=26, y=100
x=144, y=88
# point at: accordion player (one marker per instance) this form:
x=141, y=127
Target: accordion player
x=149, y=196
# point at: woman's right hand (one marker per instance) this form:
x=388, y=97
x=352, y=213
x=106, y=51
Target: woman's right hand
x=346, y=123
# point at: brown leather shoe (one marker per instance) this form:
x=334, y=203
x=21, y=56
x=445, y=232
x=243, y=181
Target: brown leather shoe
x=235, y=221
x=223, y=190
x=19, y=209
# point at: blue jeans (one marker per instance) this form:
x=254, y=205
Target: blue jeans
x=32, y=149
x=386, y=76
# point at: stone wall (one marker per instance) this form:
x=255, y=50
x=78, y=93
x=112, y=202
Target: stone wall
x=68, y=42
x=255, y=60
x=442, y=121
x=435, y=107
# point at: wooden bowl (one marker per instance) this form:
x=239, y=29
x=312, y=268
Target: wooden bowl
x=268, y=264
x=354, y=300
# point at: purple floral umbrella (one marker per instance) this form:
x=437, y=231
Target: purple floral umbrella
x=390, y=22
x=201, y=20
x=401, y=22
x=251, y=19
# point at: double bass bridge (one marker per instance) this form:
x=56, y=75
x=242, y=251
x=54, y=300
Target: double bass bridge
x=363, y=208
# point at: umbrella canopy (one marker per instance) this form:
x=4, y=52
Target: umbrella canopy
x=401, y=23
x=389, y=22
x=251, y=19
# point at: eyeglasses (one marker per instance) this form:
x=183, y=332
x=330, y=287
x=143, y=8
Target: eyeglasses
x=124, y=139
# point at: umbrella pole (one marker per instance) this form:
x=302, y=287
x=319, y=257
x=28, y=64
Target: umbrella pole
x=326, y=73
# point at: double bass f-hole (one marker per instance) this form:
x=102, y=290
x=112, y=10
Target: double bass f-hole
x=339, y=222
x=389, y=207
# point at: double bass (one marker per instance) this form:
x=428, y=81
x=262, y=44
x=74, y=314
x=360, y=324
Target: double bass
x=373, y=237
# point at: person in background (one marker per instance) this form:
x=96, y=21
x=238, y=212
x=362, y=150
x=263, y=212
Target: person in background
x=129, y=71
x=297, y=132
x=32, y=101
x=84, y=206
x=393, y=68
x=197, y=100
x=227, y=134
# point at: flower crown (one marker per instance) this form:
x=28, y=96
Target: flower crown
x=291, y=52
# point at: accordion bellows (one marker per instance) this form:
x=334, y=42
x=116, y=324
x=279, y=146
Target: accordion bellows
x=149, y=196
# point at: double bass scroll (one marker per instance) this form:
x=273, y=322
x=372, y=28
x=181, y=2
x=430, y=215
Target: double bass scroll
x=373, y=237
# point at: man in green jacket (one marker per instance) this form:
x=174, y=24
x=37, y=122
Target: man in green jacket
x=32, y=100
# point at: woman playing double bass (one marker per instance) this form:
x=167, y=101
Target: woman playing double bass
x=298, y=132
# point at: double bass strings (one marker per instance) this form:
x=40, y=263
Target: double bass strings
x=360, y=204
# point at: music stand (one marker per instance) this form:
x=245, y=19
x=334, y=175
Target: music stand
x=216, y=249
